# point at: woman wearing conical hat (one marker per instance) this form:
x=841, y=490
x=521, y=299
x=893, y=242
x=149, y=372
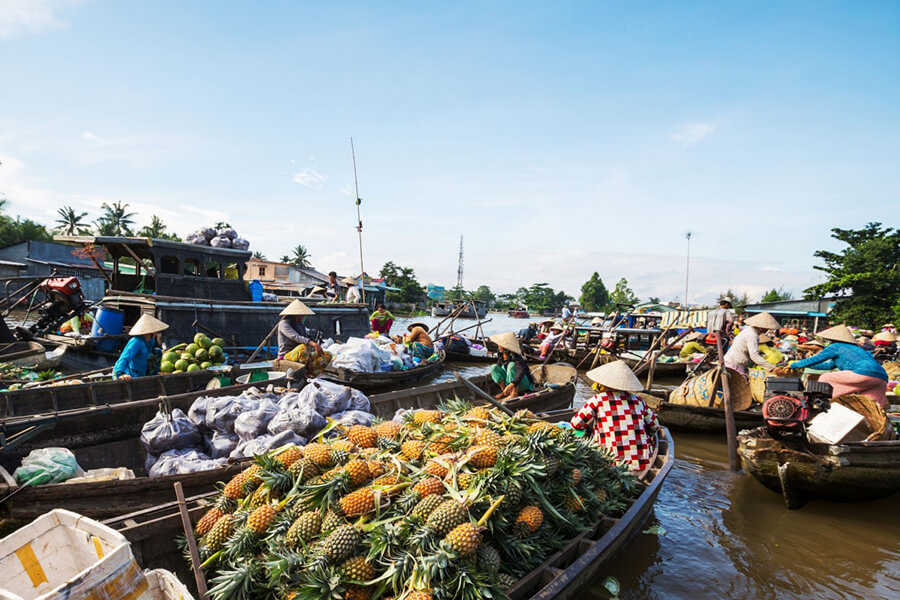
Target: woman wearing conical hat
x=857, y=372
x=133, y=361
x=619, y=420
x=511, y=372
x=744, y=350
x=296, y=341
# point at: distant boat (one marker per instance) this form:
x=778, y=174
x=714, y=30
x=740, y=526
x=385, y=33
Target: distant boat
x=519, y=313
x=473, y=309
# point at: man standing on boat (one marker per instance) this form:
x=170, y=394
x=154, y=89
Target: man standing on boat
x=333, y=288
x=720, y=322
x=353, y=296
x=133, y=361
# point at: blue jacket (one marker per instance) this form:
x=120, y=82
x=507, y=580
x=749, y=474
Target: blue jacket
x=844, y=357
x=133, y=360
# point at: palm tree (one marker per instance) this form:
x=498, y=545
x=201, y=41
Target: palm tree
x=156, y=230
x=300, y=257
x=116, y=220
x=259, y=255
x=285, y=258
x=71, y=222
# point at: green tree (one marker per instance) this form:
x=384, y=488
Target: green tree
x=115, y=220
x=653, y=300
x=779, y=295
x=484, y=294
x=594, y=295
x=20, y=230
x=623, y=294
x=157, y=231
x=298, y=258
x=455, y=293
x=539, y=297
x=259, y=255
x=865, y=275
x=506, y=301
x=738, y=301
x=71, y=222
x=404, y=279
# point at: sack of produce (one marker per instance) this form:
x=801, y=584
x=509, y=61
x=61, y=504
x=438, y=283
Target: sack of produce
x=197, y=412
x=300, y=420
x=327, y=397
x=47, y=465
x=181, y=462
x=254, y=423
x=264, y=443
x=358, y=401
x=207, y=232
x=220, y=242
x=221, y=445
x=354, y=417
x=169, y=431
x=222, y=412
x=227, y=232
x=240, y=243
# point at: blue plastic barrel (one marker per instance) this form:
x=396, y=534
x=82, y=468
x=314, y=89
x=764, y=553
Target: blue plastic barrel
x=107, y=321
x=256, y=290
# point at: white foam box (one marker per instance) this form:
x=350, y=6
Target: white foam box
x=838, y=424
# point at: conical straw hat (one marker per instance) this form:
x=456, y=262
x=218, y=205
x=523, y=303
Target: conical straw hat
x=693, y=336
x=296, y=309
x=507, y=340
x=317, y=290
x=885, y=336
x=617, y=376
x=764, y=339
x=838, y=333
x=763, y=320
x=147, y=324
x=349, y=281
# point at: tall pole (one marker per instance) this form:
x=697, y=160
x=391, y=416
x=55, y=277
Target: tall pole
x=362, y=269
x=687, y=271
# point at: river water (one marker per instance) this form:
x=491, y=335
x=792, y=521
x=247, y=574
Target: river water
x=718, y=534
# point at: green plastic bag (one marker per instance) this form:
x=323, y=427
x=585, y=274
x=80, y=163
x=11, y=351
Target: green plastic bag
x=47, y=465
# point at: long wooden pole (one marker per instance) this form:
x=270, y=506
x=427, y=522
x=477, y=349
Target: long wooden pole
x=481, y=393
x=192, y=542
x=264, y=342
x=730, y=427
x=359, y=227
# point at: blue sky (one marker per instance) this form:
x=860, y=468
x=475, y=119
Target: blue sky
x=559, y=138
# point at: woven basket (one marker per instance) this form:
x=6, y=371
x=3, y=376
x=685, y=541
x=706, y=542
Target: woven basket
x=758, y=384
x=698, y=391
x=872, y=411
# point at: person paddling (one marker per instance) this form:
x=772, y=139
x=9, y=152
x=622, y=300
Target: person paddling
x=618, y=419
x=511, y=372
x=133, y=361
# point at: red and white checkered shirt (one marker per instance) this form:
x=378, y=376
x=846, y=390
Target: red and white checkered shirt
x=623, y=423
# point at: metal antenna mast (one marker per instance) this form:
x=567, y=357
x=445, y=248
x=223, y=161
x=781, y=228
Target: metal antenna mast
x=362, y=269
x=459, y=271
x=687, y=271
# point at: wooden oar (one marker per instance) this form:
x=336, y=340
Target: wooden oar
x=730, y=428
x=191, y=541
x=264, y=342
x=481, y=393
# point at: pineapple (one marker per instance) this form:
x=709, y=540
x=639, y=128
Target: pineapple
x=487, y=559
x=388, y=429
x=262, y=495
x=485, y=436
x=426, y=506
x=339, y=544
x=377, y=468
x=575, y=476
x=362, y=436
x=304, y=469
x=412, y=449
x=260, y=519
x=529, y=520
x=437, y=467
x=426, y=416
x=357, y=568
x=388, y=479
x=207, y=521
x=343, y=445
x=234, y=489
x=360, y=502
x=540, y=426
x=428, y=487
x=332, y=521
x=464, y=539
x=291, y=455
x=574, y=503
x=221, y=531
x=479, y=413
x=304, y=528
x=358, y=470
x=482, y=457
x=358, y=592
x=446, y=516
x=506, y=581
x=417, y=596
x=602, y=495
x=319, y=454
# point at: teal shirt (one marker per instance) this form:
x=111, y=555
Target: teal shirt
x=133, y=360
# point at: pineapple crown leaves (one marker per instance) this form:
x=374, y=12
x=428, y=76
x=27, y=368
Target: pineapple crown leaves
x=322, y=583
x=238, y=581
x=455, y=406
x=283, y=565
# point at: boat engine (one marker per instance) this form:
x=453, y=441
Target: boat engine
x=788, y=405
x=63, y=299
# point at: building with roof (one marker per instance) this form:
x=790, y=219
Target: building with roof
x=41, y=259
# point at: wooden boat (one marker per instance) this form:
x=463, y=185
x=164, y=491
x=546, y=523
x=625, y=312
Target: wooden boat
x=368, y=382
x=802, y=470
x=15, y=351
x=700, y=419
x=565, y=575
x=519, y=313
x=120, y=442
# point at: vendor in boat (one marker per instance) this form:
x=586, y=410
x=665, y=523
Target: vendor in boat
x=768, y=349
x=857, y=372
x=418, y=341
x=720, y=321
x=134, y=359
x=353, y=294
x=332, y=288
x=809, y=348
x=511, y=372
x=553, y=340
x=618, y=419
x=692, y=345
x=744, y=350
x=296, y=341
x=381, y=320
x=527, y=334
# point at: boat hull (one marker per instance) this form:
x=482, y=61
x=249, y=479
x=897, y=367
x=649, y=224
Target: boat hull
x=369, y=382
x=846, y=472
x=701, y=419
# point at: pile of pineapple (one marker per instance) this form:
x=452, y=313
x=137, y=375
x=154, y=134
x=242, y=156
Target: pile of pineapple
x=456, y=503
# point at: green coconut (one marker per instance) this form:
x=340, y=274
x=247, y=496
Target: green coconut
x=177, y=371
x=216, y=351
x=170, y=357
x=192, y=348
x=187, y=357
x=181, y=365
x=167, y=366
x=201, y=355
x=206, y=365
x=219, y=342
x=198, y=339
x=192, y=368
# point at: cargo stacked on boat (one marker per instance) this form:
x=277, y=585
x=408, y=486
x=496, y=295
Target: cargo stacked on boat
x=202, y=353
x=450, y=503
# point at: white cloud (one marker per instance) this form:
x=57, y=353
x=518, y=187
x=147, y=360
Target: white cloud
x=90, y=135
x=31, y=17
x=690, y=134
x=310, y=177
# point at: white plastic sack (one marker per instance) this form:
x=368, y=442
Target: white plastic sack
x=220, y=242
x=221, y=445
x=180, y=462
x=228, y=233
x=301, y=421
x=354, y=417
x=169, y=431
x=265, y=443
x=222, y=412
x=240, y=243
x=253, y=423
x=325, y=397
